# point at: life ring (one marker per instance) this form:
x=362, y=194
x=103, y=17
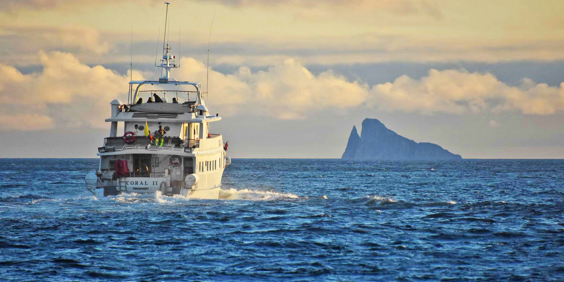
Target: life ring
x=129, y=137
x=175, y=160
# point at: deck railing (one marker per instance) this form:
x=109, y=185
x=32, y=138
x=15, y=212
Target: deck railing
x=112, y=144
x=142, y=141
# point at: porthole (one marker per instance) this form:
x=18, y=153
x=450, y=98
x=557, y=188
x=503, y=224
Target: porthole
x=166, y=128
x=141, y=127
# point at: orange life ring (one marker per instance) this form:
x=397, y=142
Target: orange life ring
x=129, y=137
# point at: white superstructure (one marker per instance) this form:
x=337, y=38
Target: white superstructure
x=161, y=146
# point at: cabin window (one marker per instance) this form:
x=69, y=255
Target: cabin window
x=188, y=166
x=184, y=131
x=194, y=131
x=142, y=165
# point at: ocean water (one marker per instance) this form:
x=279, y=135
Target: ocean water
x=295, y=220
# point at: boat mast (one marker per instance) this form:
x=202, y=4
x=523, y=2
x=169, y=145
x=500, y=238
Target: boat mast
x=166, y=63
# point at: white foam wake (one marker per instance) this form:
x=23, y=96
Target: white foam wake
x=227, y=194
x=253, y=195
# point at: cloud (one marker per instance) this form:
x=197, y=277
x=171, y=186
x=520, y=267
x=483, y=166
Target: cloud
x=47, y=4
x=461, y=92
x=65, y=94
x=32, y=39
x=397, y=6
x=286, y=90
x=69, y=94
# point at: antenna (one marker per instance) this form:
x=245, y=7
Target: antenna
x=166, y=19
x=168, y=33
x=130, y=66
x=208, y=61
x=131, y=53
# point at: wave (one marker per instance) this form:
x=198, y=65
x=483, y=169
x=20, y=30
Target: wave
x=392, y=203
x=380, y=200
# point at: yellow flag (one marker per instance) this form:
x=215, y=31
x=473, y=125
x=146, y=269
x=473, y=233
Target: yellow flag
x=147, y=132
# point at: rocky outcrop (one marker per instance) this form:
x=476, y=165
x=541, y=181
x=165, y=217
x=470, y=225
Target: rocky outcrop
x=380, y=143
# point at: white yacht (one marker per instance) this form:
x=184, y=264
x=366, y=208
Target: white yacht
x=160, y=140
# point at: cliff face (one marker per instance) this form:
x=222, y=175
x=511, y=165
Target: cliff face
x=379, y=143
x=352, y=145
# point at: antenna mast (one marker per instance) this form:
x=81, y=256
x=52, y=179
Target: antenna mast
x=130, y=67
x=168, y=61
x=131, y=53
x=166, y=19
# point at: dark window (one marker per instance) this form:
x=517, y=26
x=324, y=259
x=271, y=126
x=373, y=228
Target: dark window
x=188, y=166
x=142, y=165
x=141, y=127
x=166, y=128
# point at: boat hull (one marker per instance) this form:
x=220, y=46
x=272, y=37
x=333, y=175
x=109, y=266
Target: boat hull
x=209, y=194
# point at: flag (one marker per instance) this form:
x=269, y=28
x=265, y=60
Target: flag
x=147, y=132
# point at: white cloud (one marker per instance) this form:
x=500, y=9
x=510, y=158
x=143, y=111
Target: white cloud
x=68, y=93
x=287, y=90
x=65, y=93
x=31, y=39
x=460, y=92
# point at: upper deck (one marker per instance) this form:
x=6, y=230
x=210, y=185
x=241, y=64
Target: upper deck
x=159, y=119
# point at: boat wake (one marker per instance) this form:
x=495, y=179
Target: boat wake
x=227, y=194
x=253, y=195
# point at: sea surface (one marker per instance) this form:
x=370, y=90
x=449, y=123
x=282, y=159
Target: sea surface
x=291, y=220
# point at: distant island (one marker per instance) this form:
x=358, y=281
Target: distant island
x=377, y=142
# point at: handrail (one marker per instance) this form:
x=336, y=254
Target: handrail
x=177, y=83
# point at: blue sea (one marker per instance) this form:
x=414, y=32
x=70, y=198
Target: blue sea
x=291, y=220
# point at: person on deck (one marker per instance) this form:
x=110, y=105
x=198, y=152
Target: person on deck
x=140, y=101
x=157, y=98
x=159, y=136
x=150, y=100
x=174, y=101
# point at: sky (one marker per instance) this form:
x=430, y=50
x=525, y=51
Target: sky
x=483, y=79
